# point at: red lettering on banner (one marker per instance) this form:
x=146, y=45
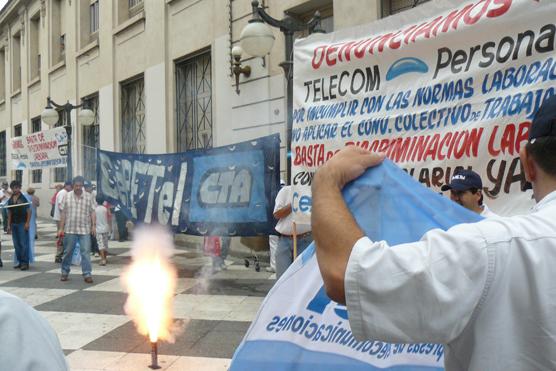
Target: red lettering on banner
x=510, y=140
x=345, y=51
x=445, y=139
x=432, y=148
x=468, y=15
x=504, y=7
x=472, y=19
x=320, y=51
x=460, y=145
x=311, y=155
x=40, y=156
x=331, y=55
x=491, y=150
x=472, y=145
x=427, y=147
x=426, y=29
x=31, y=139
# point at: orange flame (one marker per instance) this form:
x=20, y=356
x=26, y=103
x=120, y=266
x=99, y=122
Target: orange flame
x=150, y=281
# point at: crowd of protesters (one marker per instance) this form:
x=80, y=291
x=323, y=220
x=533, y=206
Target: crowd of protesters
x=19, y=219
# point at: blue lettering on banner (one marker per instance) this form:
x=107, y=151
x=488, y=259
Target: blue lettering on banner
x=220, y=191
x=301, y=203
x=337, y=333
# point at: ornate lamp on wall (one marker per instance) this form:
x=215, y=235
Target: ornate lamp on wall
x=257, y=40
x=50, y=116
x=238, y=69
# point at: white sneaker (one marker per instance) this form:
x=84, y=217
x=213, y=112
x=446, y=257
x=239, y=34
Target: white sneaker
x=270, y=270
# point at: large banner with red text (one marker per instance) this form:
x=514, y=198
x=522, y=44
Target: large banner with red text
x=450, y=84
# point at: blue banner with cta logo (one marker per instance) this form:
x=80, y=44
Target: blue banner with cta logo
x=298, y=327
x=224, y=191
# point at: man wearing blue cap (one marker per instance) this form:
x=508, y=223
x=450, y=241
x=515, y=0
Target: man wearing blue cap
x=486, y=290
x=466, y=189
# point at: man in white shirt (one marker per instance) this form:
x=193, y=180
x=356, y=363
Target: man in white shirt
x=273, y=241
x=60, y=196
x=486, y=290
x=466, y=189
x=283, y=212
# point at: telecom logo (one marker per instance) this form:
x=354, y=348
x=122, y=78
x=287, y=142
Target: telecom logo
x=404, y=66
x=321, y=301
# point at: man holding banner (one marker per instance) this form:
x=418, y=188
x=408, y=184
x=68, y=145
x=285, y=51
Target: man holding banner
x=485, y=290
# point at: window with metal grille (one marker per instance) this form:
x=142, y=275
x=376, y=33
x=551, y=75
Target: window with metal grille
x=304, y=14
x=134, y=6
x=36, y=175
x=60, y=172
x=3, y=167
x=390, y=7
x=91, y=140
x=93, y=16
x=18, y=131
x=16, y=62
x=3, y=74
x=133, y=116
x=34, y=46
x=194, y=103
x=63, y=45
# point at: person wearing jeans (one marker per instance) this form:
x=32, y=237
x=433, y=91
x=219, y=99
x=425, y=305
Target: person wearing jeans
x=77, y=223
x=218, y=262
x=19, y=216
x=71, y=240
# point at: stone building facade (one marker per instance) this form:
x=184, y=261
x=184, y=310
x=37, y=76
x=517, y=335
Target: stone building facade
x=157, y=74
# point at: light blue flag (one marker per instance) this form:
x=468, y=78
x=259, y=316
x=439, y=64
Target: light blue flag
x=299, y=328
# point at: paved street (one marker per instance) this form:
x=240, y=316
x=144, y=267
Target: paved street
x=213, y=311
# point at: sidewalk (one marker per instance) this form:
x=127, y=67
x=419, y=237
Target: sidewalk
x=213, y=311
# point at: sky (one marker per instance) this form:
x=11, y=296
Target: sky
x=2, y=3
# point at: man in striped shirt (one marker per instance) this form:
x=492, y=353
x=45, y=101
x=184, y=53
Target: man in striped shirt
x=77, y=224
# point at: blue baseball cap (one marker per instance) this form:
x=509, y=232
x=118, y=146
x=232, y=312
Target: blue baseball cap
x=464, y=180
x=87, y=184
x=544, y=122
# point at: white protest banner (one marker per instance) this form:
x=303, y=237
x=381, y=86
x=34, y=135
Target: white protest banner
x=445, y=85
x=298, y=327
x=40, y=150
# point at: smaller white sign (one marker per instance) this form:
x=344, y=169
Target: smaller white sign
x=40, y=150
